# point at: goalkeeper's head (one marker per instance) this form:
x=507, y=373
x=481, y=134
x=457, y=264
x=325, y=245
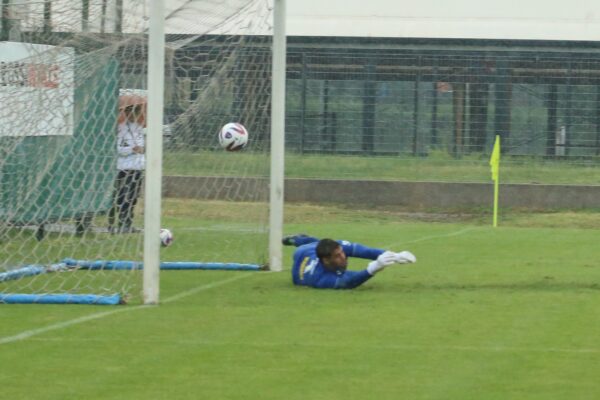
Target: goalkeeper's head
x=332, y=255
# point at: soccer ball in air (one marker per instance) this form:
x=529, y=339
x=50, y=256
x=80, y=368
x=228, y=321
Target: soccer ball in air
x=166, y=237
x=233, y=136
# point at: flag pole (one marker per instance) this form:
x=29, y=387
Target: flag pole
x=495, y=223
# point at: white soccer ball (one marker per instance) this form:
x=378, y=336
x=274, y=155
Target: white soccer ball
x=166, y=237
x=233, y=136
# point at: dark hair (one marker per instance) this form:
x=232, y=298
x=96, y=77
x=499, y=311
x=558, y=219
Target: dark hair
x=325, y=247
x=133, y=108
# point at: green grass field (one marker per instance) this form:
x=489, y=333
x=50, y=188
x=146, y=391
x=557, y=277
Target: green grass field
x=505, y=313
x=438, y=166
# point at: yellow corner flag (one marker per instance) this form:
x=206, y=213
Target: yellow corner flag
x=495, y=159
x=495, y=164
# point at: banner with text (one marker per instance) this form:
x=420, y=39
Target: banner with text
x=36, y=89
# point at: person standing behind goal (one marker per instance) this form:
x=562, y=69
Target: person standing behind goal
x=131, y=163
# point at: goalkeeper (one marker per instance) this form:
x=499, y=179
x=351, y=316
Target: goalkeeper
x=322, y=263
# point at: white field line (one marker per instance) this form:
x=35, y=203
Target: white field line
x=205, y=287
x=331, y=345
x=226, y=228
x=33, y=332
x=425, y=238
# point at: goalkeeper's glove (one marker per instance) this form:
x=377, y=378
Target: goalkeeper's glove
x=404, y=257
x=386, y=258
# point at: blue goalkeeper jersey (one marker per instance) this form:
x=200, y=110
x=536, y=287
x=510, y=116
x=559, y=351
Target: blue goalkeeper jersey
x=308, y=270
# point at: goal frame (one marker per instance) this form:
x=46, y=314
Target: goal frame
x=153, y=190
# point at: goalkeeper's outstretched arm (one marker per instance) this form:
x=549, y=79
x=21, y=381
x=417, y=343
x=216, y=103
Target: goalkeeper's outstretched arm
x=360, y=250
x=351, y=279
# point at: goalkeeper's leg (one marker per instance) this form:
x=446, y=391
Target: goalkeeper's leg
x=298, y=240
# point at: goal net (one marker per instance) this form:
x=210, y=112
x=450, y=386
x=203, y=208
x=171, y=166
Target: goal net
x=73, y=87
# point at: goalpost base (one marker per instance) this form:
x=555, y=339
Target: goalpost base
x=17, y=298
x=70, y=264
x=182, y=265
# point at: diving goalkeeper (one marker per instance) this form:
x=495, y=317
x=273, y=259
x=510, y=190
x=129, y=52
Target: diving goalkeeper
x=322, y=263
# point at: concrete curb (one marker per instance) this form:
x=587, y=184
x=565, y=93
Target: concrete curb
x=387, y=193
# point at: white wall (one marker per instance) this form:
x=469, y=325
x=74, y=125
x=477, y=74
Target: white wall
x=482, y=19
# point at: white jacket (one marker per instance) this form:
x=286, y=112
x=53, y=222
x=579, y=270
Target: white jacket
x=130, y=135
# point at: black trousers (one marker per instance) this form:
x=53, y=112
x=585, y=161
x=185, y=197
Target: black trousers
x=126, y=192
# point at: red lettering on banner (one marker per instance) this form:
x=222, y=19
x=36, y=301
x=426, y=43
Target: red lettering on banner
x=43, y=76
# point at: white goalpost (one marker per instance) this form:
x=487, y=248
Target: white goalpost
x=179, y=70
x=277, y=137
x=156, y=70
